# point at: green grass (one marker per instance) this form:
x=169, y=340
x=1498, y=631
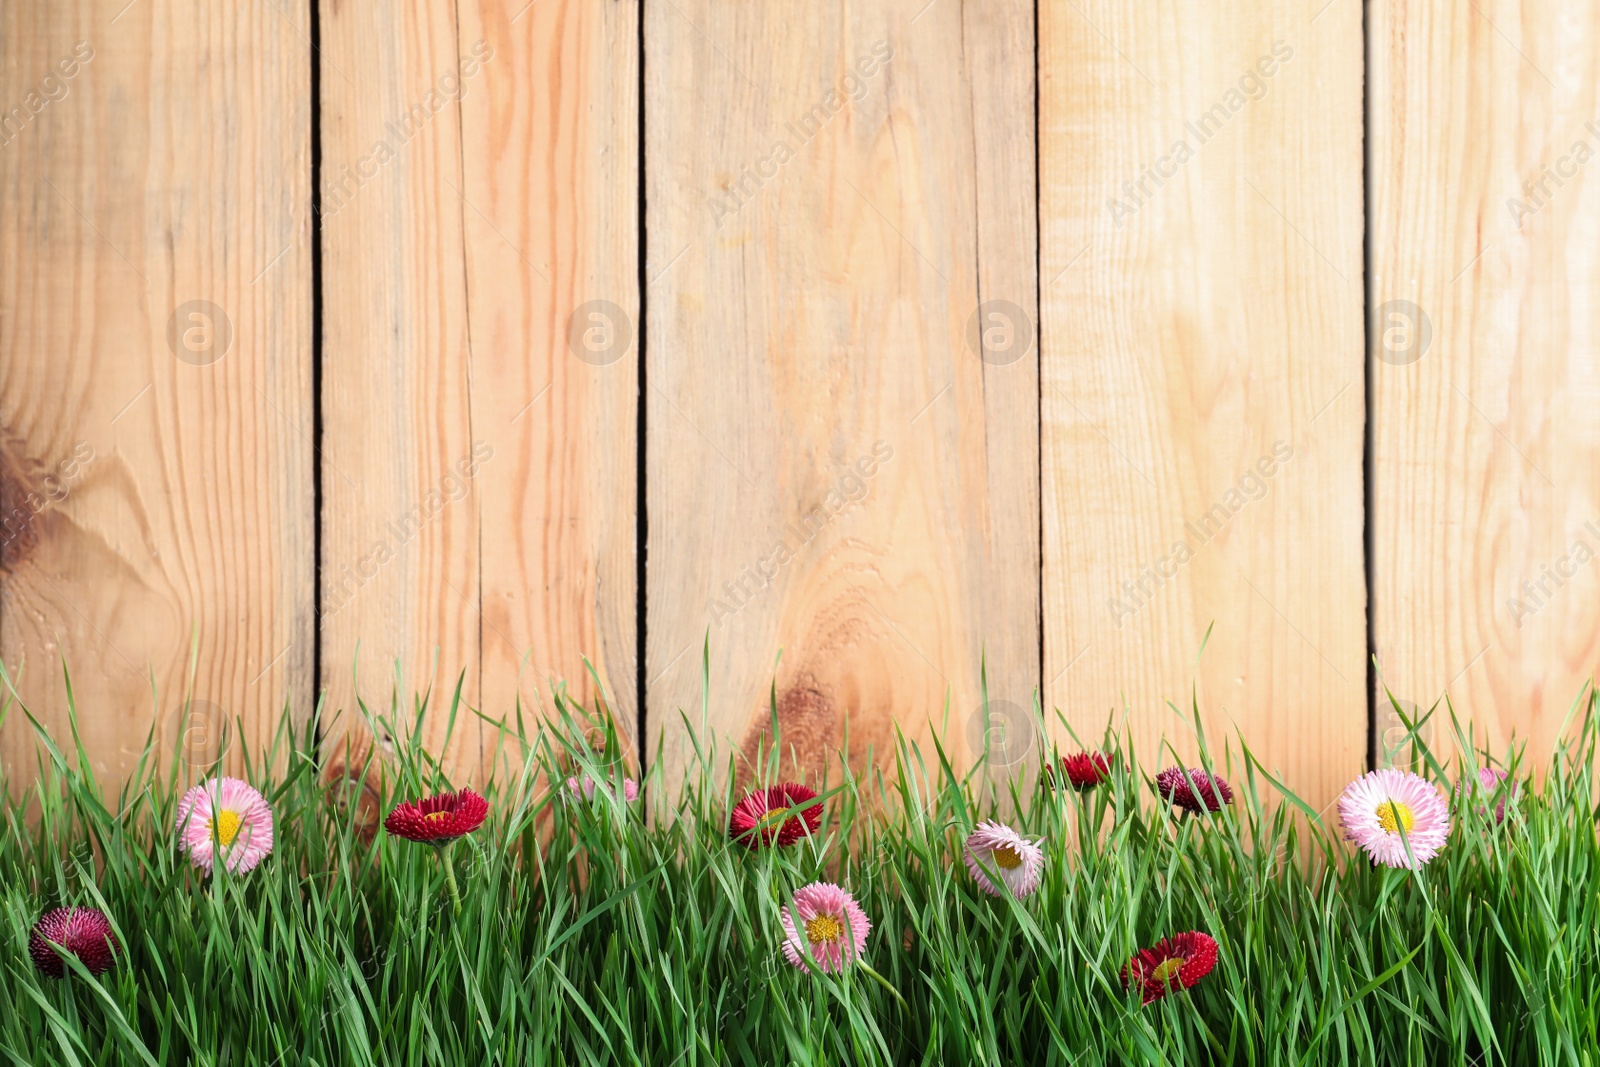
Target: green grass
x=607, y=933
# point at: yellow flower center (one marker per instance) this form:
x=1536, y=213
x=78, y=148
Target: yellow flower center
x=437, y=816
x=1007, y=858
x=227, y=826
x=823, y=928
x=1167, y=969
x=1393, y=814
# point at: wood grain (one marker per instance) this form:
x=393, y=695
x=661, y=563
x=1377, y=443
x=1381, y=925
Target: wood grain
x=833, y=471
x=155, y=453
x=849, y=417
x=400, y=528
x=552, y=184
x=1202, y=377
x=480, y=185
x=1485, y=124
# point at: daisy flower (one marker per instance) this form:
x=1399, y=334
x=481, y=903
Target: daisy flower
x=1379, y=805
x=832, y=930
x=83, y=932
x=1012, y=858
x=1082, y=770
x=763, y=818
x=438, y=820
x=226, y=817
x=1194, y=790
x=1489, y=779
x=630, y=788
x=1173, y=963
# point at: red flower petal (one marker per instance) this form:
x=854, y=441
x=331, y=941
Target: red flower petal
x=753, y=821
x=1083, y=770
x=438, y=819
x=1173, y=963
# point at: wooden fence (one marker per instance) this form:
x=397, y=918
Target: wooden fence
x=907, y=337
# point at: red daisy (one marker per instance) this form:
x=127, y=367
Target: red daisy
x=1083, y=770
x=762, y=816
x=84, y=932
x=1173, y=963
x=438, y=820
x=1208, y=792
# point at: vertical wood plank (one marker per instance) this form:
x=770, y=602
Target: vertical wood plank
x=1485, y=123
x=155, y=366
x=833, y=470
x=1202, y=398
x=552, y=226
x=480, y=189
x=400, y=529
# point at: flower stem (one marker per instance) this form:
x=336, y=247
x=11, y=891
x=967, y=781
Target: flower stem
x=885, y=983
x=450, y=878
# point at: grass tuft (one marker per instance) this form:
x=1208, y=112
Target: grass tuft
x=608, y=932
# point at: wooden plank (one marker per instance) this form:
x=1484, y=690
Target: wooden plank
x=832, y=470
x=1485, y=267
x=400, y=529
x=155, y=370
x=552, y=184
x=1202, y=398
x=479, y=186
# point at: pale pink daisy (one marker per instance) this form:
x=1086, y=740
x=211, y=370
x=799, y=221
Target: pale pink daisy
x=1379, y=805
x=630, y=788
x=832, y=931
x=1006, y=854
x=228, y=815
x=1489, y=779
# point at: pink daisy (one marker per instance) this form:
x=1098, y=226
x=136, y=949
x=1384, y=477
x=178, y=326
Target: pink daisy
x=1012, y=858
x=630, y=788
x=832, y=931
x=1489, y=779
x=1379, y=805
x=225, y=814
x=82, y=932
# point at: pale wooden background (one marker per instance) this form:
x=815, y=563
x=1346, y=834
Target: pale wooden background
x=829, y=466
